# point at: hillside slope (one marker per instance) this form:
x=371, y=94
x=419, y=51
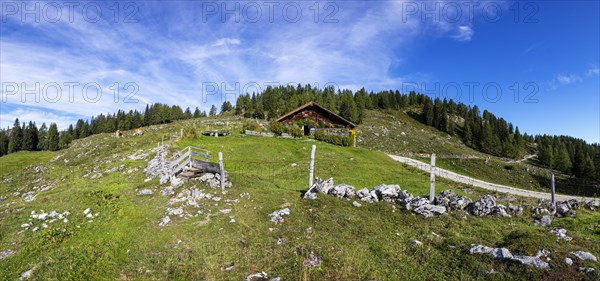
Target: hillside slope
x=233, y=237
x=395, y=132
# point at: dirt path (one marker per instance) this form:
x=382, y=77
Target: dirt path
x=482, y=184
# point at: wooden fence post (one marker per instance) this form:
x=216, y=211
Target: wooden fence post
x=311, y=170
x=181, y=133
x=552, y=187
x=221, y=170
x=432, y=179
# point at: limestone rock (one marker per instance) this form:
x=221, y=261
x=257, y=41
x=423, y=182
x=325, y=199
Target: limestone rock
x=260, y=276
x=531, y=261
x=277, y=216
x=364, y=195
x=500, y=211
x=428, y=210
x=444, y=197
x=483, y=206
x=568, y=261
x=561, y=233
x=587, y=270
x=501, y=254
x=342, y=191
x=164, y=221
x=480, y=249
x=584, y=255
x=325, y=186
x=145, y=192
x=593, y=205
x=386, y=193
x=459, y=202
x=543, y=221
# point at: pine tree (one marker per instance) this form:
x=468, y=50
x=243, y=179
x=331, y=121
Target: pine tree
x=3, y=143
x=30, y=137
x=16, y=138
x=64, y=139
x=545, y=154
x=213, y=111
x=53, y=137
x=197, y=113
x=42, y=137
x=27, y=144
x=188, y=113
x=226, y=107
x=428, y=112
x=360, y=98
x=562, y=160
x=468, y=133
x=348, y=108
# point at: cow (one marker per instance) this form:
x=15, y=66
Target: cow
x=138, y=132
x=118, y=134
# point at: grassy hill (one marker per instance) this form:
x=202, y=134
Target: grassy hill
x=396, y=132
x=124, y=240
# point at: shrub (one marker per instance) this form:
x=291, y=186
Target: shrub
x=277, y=128
x=251, y=125
x=295, y=131
x=333, y=139
x=191, y=133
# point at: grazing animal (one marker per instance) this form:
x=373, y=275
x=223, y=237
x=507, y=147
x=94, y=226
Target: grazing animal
x=118, y=134
x=138, y=132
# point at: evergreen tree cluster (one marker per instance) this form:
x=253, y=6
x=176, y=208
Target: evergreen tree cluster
x=569, y=155
x=276, y=101
x=27, y=137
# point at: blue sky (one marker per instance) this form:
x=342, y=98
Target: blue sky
x=534, y=63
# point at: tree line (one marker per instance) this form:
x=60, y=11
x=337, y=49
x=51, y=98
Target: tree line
x=482, y=131
x=28, y=137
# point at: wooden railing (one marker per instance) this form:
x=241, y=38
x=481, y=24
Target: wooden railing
x=185, y=159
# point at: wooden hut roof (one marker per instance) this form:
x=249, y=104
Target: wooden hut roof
x=311, y=105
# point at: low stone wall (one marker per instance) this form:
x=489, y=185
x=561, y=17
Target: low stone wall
x=259, y=134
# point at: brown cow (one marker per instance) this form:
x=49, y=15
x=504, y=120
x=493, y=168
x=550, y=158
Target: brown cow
x=138, y=132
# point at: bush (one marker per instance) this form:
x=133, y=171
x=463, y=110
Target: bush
x=277, y=128
x=334, y=139
x=251, y=125
x=295, y=131
x=191, y=134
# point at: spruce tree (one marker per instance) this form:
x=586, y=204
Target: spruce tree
x=562, y=160
x=53, y=137
x=16, y=138
x=42, y=137
x=428, y=112
x=3, y=143
x=213, y=111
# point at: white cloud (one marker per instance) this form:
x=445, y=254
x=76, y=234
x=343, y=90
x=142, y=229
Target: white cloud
x=7, y=119
x=594, y=70
x=226, y=41
x=464, y=33
x=568, y=78
x=169, y=55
